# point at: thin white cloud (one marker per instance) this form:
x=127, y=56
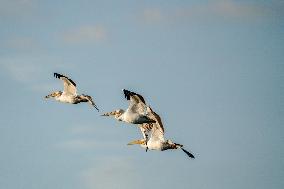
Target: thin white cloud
x=17, y=8
x=212, y=10
x=20, y=71
x=78, y=144
x=46, y=87
x=21, y=43
x=152, y=15
x=29, y=70
x=83, y=129
x=119, y=169
x=85, y=34
x=223, y=8
x=86, y=144
x=86, y=128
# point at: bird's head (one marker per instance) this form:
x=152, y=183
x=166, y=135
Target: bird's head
x=117, y=113
x=54, y=94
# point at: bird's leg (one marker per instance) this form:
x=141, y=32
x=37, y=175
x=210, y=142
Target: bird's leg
x=146, y=146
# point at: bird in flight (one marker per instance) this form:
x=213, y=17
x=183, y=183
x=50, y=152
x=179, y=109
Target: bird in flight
x=69, y=93
x=136, y=111
x=156, y=141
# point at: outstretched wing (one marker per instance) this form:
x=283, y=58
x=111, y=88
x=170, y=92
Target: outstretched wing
x=157, y=129
x=188, y=153
x=91, y=101
x=137, y=102
x=146, y=129
x=157, y=134
x=69, y=85
x=153, y=115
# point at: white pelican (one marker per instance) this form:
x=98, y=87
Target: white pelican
x=135, y=113
x=69, y=94
x=156, y=140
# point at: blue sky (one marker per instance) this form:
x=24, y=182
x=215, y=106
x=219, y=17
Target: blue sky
x=213, y=70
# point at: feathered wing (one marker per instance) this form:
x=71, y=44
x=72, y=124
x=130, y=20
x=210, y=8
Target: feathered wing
x=137, y=103
x=157, y=129
x=157, y=134
x=188, y=153
x=153, y=115
x=146, y=129
x=90, y=100
x=128, y=94
x=69, y=85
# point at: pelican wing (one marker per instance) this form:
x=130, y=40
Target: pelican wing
x=91, y=101
x=157, y=129
x=188, y=153
x=137, y=102
x=156, y=133
x=69, y=85
x=153, y=115
x=146, y=129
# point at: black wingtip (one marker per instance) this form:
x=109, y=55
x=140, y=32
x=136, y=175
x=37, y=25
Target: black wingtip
x=57, y=75
x=188, y=153
x=128, y=93
x=97, y=108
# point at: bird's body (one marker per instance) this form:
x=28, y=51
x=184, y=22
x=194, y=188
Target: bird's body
x=134, y=118
x=135, y=113
x=156, y=141
x=155, y=145
x=69, y=94
x=73, y=99
x=66, y=98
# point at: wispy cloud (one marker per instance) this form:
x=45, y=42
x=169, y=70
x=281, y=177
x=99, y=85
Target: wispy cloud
x=223, y=8
x=46, y=87
x=119, y=169
x=28, y=70
x=19, y=70
x=21, y=43
x=78, y=144
x=86, y=137
x=86, y=144
x=85, y=34
x=16, y=8
x=212, y=10
x=83, y=129
x=152, y=15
